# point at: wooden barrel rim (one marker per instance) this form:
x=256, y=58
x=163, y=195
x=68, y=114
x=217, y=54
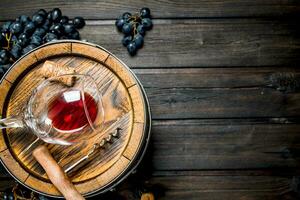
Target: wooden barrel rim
x=141, y=116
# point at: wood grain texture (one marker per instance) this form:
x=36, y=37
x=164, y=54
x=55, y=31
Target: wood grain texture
x=4, y=87
x=83, y=49
x=125, y=76
x=214, y=185
x=281, y=78
x=39, y=185
x=118, y=106
x=218, y=55
x=222, y=93
x=134, y=142
x=20, y=67
x=14, y=166
x=205, y=43
x=170, y=103
x=224, y=144
x=52, y=50
x=139, y=102
x=219, y=185
x=92, y=9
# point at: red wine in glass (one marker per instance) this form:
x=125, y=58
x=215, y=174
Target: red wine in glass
x=67, y=112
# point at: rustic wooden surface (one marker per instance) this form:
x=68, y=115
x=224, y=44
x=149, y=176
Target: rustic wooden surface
x=223, y=88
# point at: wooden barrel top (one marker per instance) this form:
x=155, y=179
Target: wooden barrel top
x=125, y=107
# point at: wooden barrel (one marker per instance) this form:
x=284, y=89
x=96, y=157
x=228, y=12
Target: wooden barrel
x=125, y=106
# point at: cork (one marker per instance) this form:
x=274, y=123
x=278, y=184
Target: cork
x=55, y=71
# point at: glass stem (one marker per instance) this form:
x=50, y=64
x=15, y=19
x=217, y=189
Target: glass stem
x=10, y=122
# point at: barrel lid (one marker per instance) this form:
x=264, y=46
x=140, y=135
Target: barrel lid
x=125, y=106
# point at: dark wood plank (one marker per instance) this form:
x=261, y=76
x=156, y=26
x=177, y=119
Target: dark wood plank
x=211, y=185
x=227, y=187
x=206, y=43
x=222, y=93
x=247, y=184
x=280, y=78
x=161, y=9
x=224, y=144
x=184, y=103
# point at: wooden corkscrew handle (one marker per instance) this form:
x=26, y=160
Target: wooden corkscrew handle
x=56, y=174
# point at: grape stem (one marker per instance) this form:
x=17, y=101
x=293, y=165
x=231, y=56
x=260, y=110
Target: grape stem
x=135, y=29
x=8, y=38
x=135, y=18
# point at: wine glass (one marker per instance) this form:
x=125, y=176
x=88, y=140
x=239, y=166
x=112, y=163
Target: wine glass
x=62, y=113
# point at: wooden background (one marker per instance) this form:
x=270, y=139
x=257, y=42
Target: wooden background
x=223, y=81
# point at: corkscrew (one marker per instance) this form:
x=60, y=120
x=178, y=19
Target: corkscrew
x=93, y=152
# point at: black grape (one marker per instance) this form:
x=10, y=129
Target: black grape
x=126, y=40
x=119, y=23
x=6, y=67
x=5, y=196
x=41, y=197
x=16, y=28
x=38, y=19
x=23, y=36
x=64, y=20
x=47, y=24
x=57, y=29
x=126, y=16
x=139, y=41
x=74, y=35
x=22, y=42
x=2, y=40
x=11, y=196
x=78, y=22
x=49, y=16
x=147, y=23
x=141, y=30
x=127, y=28
x=131, y=48
x=42, y=12
x=39, y=32
x=145, y=12
x=24, y=19
x=4, y=57
x=49, y=37
x=69, y=28
x=29, y=28
x=56, y=14
x=16, y=51
x=5, y=27
x=36, y=40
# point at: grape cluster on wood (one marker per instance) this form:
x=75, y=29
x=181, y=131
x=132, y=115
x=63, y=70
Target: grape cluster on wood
x=134, y=28
x=24, y=34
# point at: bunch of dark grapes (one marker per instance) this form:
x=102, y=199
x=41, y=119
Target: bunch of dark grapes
x=24, y=34
x=19, y=192
x=7, y=195
x=134, y=28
